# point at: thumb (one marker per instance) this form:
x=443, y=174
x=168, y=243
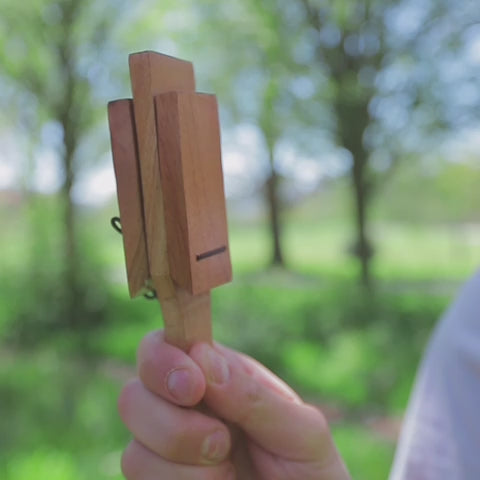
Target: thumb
x=242, y=391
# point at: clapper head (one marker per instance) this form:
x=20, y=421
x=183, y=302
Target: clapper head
x=167, y=159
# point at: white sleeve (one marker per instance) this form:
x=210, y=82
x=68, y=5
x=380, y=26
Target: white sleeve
x=440, y=438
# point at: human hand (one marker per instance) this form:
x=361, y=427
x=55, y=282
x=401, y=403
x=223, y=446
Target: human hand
x=262, y=430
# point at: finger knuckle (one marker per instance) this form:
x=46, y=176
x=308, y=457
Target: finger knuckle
x=252, y=401
x=174, y=448
x=179, y=442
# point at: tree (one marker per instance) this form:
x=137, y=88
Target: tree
x=344, y=59
x=359, y=43
x=61, y=62
x=42, y=49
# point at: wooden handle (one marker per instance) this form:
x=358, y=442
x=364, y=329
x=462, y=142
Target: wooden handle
x=187, y=319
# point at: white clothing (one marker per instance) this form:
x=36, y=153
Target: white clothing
x=440, y=439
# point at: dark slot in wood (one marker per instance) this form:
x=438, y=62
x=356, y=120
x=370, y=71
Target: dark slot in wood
x=211, y=253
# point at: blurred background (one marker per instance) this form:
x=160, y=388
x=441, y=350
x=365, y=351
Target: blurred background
x=350, y=149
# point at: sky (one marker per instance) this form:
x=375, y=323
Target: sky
x=242, y=151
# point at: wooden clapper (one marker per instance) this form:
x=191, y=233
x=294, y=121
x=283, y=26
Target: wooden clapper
x=167, y=160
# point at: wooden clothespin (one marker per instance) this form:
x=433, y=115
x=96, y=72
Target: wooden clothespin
x=167, y=159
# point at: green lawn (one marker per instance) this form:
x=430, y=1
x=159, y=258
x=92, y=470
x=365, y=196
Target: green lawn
x=311, y=325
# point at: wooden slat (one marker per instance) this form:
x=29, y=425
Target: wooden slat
x=125, y=162
x=188, y=134
x=151, y=74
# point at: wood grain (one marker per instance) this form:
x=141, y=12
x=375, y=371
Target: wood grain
x=188, y=134
x=151, y=74
x=127, y=174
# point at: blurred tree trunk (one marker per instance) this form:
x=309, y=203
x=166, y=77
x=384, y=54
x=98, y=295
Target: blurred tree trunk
x=69, y=113
x=70, y=253
x=353, y=119
x=273, y=202
x=362, y=246
x=270, y=132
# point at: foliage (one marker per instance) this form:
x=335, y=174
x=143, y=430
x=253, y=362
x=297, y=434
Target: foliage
x=447, y=192
x=368, y=456
x=61, y=422
x=34, y=296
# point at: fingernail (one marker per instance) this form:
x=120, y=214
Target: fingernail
x=218, y=371
x=179, y=383
x=215, y=447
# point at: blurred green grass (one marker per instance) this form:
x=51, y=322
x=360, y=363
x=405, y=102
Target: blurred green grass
x=366, y=454
x=310, y=324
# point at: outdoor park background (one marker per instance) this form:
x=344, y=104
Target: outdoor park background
x=351, y=145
